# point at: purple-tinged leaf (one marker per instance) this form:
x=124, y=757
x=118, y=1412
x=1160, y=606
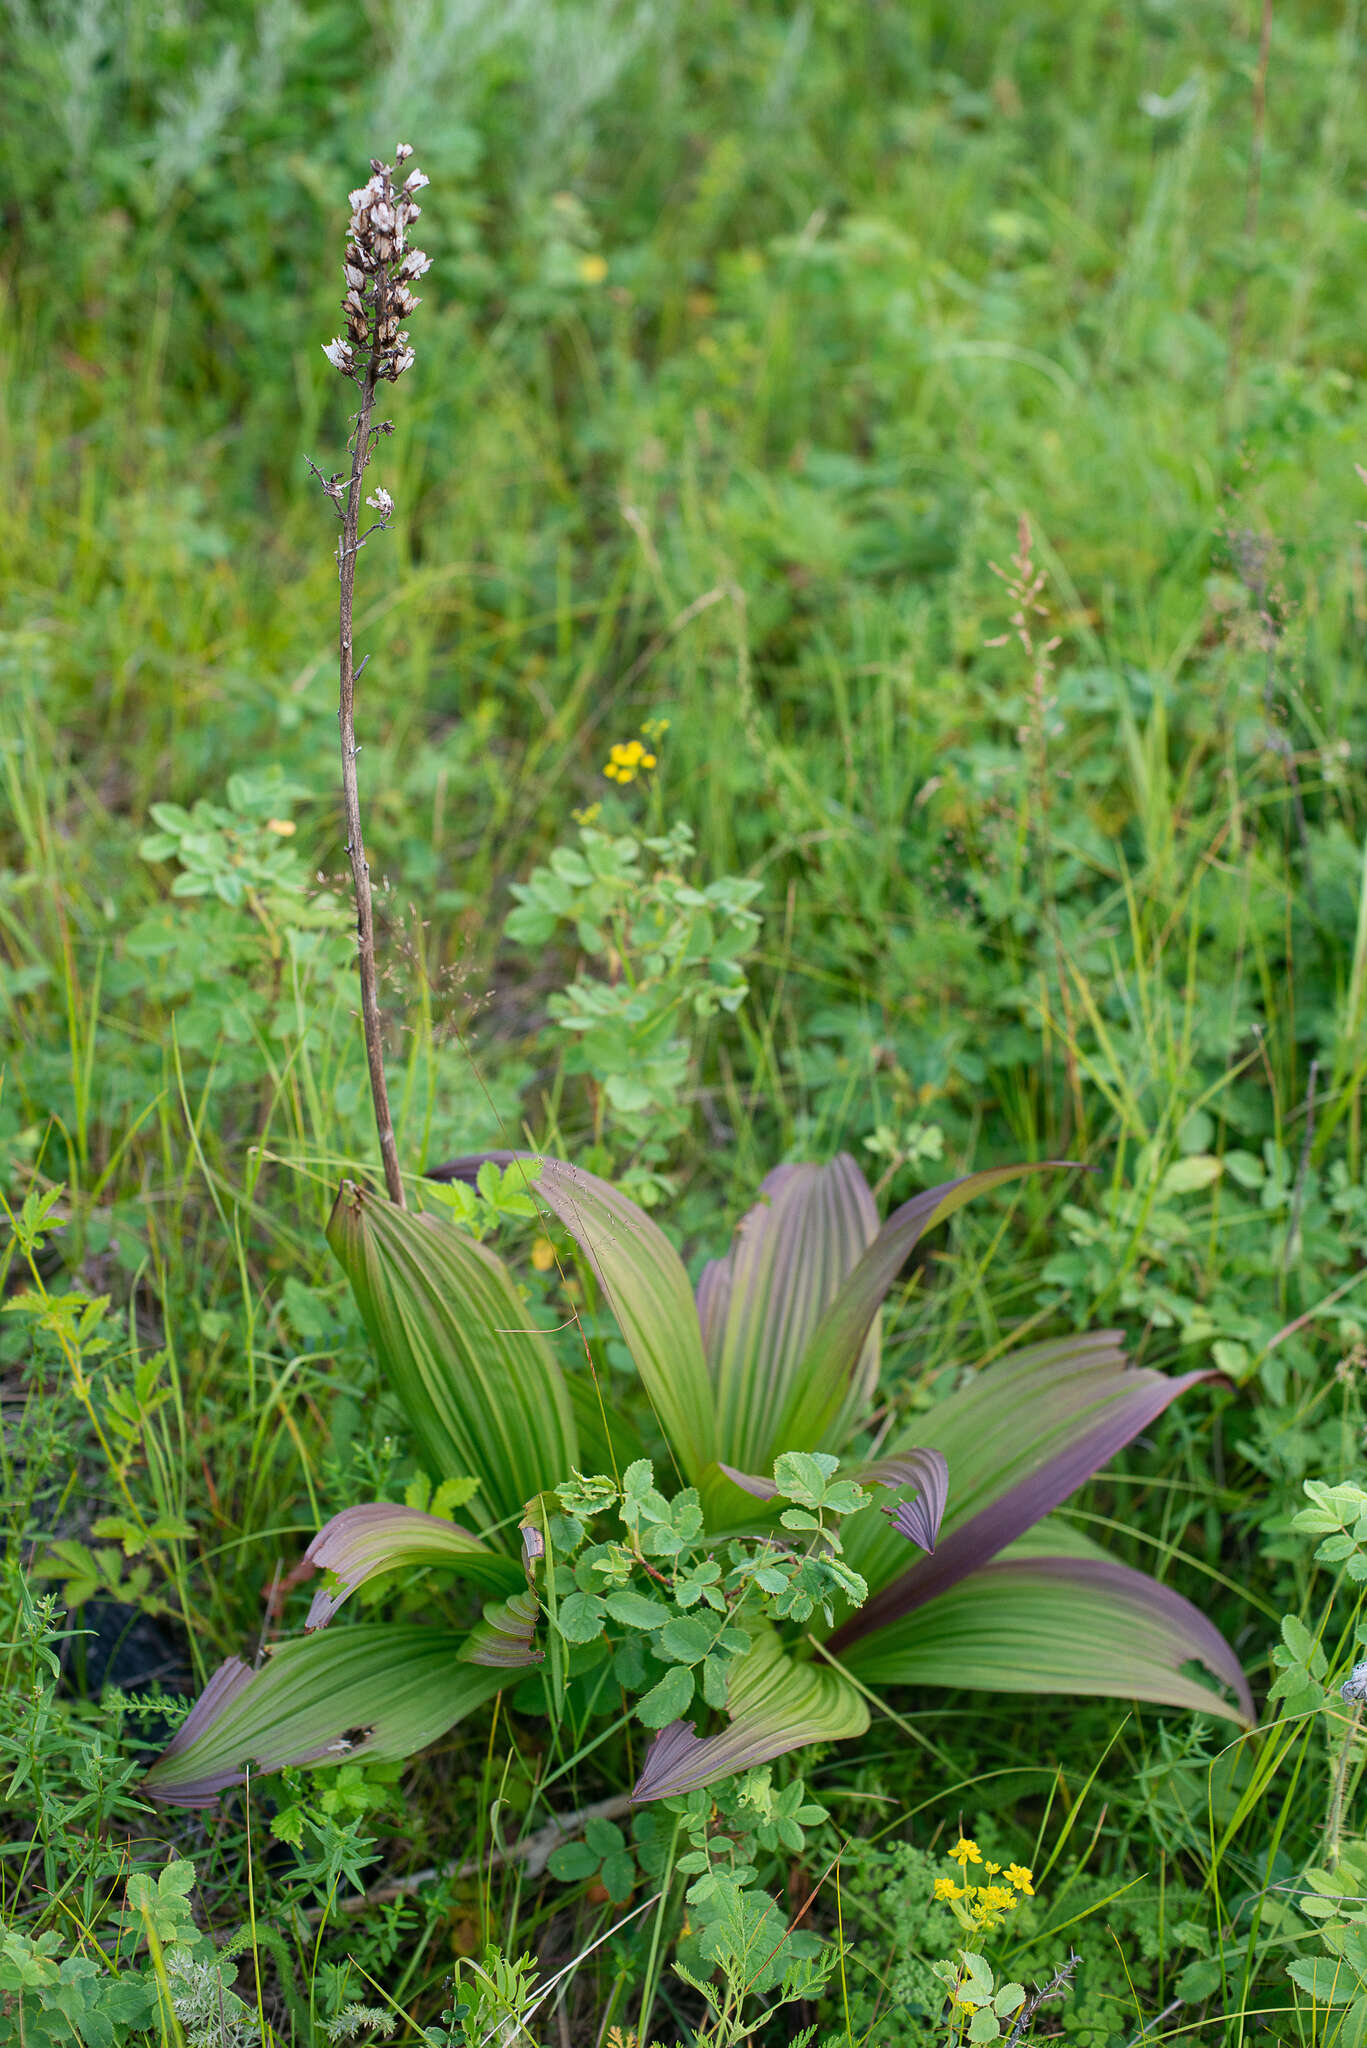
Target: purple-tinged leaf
x=364, y=1542
x=1059, y=1624
x=374, y=1691
x=503, y=1639
x=1124, y=1404
x=775, y=1703
x=760, y=1303
x=645, y=1286
x=752, y=1483
x=924, y=1469
x=928, y=1472
x=1000, y=1425
x=827, y=1385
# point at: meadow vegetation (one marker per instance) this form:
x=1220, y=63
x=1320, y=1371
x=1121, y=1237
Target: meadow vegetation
x=865, y=659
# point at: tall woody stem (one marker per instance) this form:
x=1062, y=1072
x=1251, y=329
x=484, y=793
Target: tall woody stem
x=346, y=718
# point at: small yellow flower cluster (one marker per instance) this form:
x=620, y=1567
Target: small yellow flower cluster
x=982, y=1906
x=627, y=760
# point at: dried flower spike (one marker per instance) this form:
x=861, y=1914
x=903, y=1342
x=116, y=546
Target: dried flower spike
x=378, y=269
x=377, y=272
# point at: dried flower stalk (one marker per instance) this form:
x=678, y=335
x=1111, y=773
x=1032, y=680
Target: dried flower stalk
x=379, y=270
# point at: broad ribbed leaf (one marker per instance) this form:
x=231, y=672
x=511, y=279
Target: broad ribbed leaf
x=363, y=1543
x=759, y=1305
x=375, y=1691
x=644, y=1284
x=1022, y=1437
x=1059, y=1624
x=481, y=1389
x=1027, y=1437
x=775, y=1703
x=504, y=1638
x=827, y=1384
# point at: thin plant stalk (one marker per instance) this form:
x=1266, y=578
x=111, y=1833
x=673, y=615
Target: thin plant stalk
x=347, y=549
x=379, y=272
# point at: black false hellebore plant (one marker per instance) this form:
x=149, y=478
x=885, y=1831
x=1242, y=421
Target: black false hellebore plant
x=974, y=1580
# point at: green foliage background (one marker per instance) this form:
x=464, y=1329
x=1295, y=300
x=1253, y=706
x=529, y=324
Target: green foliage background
x=752, y=334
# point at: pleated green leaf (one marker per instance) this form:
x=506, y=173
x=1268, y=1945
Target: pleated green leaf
x=363, y=1543
x=645, y=1286
x=1059, y=1624
x=760, y=1304
x=775, y=1704
x=375, y=1691
x=482, y=1391
x=505, y=1637
x=827, y=1384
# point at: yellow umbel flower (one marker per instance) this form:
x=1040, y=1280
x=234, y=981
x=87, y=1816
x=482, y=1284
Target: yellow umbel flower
x=626, y=760
x=965, y=1852
x=945, y=1888
x=1021, y=1878
x=995, y=1898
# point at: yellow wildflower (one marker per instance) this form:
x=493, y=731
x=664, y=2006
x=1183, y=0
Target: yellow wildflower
x=284, y=828
x=543, y=1255
x=626, y=760
x=945, y=1888
x=965, y=1852
x=992, y=1869
x=990, y=1902
x=593, y=269
x=1022, y=1879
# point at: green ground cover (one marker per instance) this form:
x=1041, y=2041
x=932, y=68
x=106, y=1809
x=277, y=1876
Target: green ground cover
x=752, y=336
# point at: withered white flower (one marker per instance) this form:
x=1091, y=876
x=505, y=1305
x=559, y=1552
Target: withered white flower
x=377, y=272
x=381, y=502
